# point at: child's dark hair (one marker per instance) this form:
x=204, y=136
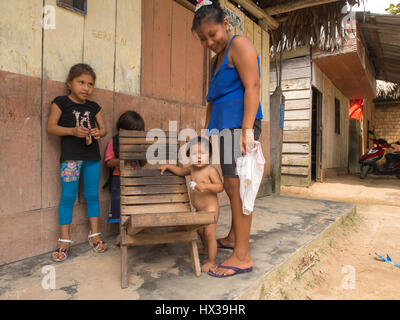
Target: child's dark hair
x=79, y=69
x=212, y=12
x=198, y=140
x=130, y=120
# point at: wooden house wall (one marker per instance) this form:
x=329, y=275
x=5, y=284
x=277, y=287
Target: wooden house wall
x=335, y=147
x=296, y=149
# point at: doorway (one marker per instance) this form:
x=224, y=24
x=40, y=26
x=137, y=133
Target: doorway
x=316, y=135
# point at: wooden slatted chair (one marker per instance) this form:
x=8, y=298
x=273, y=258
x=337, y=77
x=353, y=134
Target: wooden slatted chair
x=155, y=208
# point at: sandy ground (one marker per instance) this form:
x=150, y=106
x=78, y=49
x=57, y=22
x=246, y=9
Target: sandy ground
x=345, y=265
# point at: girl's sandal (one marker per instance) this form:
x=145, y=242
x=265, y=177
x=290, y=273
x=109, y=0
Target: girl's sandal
x=59, y=251
x=97, y=244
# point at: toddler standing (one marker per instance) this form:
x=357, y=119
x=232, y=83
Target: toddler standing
x=205, y=185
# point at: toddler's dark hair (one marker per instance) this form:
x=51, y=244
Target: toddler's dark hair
x=130, y=120
x=79, y=69
x=212, y=12
x=198, y=140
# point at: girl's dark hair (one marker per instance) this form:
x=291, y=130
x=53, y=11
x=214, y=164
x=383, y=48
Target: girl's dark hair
x=130, y=120
x=79, y=69
x=198, y=140
x=212, y=12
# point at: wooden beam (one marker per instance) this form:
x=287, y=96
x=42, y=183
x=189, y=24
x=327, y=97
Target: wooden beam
x=266, y=21
x=295, y=5
x=259, y=14
x=186, y=4
x=381, y=27
x=379, y=50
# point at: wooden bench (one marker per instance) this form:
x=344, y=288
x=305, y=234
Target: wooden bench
x=155, y=208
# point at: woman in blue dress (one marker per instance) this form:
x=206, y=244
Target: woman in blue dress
x=233, y=105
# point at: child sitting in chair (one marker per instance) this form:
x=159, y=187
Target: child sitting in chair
x=204, y=186
x=129, y=120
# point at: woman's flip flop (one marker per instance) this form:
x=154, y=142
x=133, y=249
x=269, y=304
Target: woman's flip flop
x=237, y=271
x=222, y=246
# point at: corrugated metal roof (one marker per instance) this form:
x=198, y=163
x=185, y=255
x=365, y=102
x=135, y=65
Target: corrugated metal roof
x=381, y=34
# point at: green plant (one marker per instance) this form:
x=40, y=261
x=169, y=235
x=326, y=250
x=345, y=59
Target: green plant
x=394, y=9
x=262, y=292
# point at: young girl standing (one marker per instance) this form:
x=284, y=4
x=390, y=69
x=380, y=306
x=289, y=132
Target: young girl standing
x=233, y=103
x=79, y=123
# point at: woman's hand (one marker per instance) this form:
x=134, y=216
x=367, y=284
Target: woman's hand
x=80, y=132
x=247, y=140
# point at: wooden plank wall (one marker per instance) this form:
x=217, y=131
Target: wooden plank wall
x=296, y=149
x=335, y=147
x=172, y=56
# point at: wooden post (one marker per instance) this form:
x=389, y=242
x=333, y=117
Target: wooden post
x=194, y=255
x=277, y=112
x=124, y=259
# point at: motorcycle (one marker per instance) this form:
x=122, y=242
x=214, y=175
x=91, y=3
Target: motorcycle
x=368, y=161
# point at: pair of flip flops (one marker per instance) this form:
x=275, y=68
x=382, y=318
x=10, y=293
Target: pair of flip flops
x=388, y=259
x=237, y=271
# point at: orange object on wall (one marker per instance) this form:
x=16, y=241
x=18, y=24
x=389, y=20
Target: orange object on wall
x=356, y=109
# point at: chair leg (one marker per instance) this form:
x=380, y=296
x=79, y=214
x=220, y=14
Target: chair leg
x=124, y=260
x=194, y=254
x=124, y=267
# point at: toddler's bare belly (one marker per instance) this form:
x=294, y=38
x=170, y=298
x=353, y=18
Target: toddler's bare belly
x=204, y=201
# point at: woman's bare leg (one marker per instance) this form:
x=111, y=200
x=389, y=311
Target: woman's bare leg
x=229, y=240
x=241, y=227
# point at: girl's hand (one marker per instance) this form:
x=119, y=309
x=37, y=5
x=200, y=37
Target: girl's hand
x=247, y=140
x=80, y=132
x=95, y=133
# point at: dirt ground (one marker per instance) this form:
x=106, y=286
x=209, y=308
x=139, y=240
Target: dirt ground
x=345, y=266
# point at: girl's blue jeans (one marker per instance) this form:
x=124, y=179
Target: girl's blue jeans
x=70, y=175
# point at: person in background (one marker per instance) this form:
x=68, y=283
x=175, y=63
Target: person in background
x=129, y=120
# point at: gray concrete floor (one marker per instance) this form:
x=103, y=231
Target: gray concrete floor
x=281, y=226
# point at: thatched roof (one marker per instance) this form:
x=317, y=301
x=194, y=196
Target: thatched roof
x=381, y=37
x=387, y=91
x=319, y=26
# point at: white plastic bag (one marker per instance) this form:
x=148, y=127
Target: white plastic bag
x=250, y=169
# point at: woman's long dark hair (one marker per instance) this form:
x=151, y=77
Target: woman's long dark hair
x=212, y=12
